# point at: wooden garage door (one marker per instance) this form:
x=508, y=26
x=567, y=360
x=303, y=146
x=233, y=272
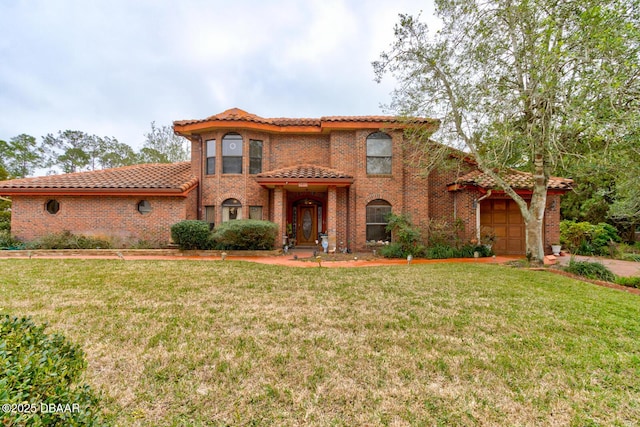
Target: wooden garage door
x=505, y=218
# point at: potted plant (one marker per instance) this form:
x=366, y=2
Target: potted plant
x=556, y=248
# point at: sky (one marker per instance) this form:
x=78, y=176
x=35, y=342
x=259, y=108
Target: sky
x=111, y=67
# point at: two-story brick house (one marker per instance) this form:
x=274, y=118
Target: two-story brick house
x=337, y=176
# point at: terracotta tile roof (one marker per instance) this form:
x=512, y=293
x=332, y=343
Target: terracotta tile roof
x=236, y=114
x=516, y=179
x=173, y=177
x=305, y=172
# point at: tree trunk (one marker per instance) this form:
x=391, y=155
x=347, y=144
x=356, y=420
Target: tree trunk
x=535, y=240
x=534, y=221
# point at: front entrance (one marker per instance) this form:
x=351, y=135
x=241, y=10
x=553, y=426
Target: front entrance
x=307, y=220
x=307, y=225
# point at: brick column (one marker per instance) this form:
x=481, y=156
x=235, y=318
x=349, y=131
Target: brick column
x=332, y=219
x=279, y=213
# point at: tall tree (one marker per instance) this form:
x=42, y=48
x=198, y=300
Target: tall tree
x=5, y=204
x=520, y=83
x=21, y=155
x=116, y=154
x=162, y=145
x=70, y=150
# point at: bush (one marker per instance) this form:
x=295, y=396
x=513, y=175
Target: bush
x=68, y=240
x=7, y=241
x=438, y=251
x=583, y=238
x=632, y=282
x=5, y=220
x=245, y=234
x=42, y=370
x=405, y=234
x=191, y=234
x=590, y=270
x=392, y=250
x=445, y=233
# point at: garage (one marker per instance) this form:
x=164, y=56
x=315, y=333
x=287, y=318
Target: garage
x=504, y=217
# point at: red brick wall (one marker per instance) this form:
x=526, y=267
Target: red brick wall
x=116, y=218
x=406, y=188
x=552, y=222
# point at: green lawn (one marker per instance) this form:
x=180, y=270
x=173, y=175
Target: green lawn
x=230, y=343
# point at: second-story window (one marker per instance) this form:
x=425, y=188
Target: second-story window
x=232, y=153
x=255, y=156
x=211, y=157
x=379, y=154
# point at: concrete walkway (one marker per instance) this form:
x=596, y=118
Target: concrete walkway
x=619, y=268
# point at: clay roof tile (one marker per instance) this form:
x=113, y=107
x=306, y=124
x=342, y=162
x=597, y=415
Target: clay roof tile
x=167, y=176
x=516, y=179
x=305, y=172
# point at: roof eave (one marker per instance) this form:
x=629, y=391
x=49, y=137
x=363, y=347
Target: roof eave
x=120, y=192
x=521, y=191
x=198, y=128
x=310, y=181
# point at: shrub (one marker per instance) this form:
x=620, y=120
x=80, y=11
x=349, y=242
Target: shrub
x=445, y=233
x=191, y=234
x=632, y=282
x=7, y=241
x=584, y=238
x=245, y=234
x=590, y=270
x=404, y=232
x=68, y=240
x=41, y=369
x=5, y=220
x=392, y=250
x=440, y=252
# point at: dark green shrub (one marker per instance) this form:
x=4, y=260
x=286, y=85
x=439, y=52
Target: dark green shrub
x=5, y=220
x=632, y=282
x=404, y=233
x=468, y=251
x=440, y=252
x=590, y=270
x=392, y=250
x=40, y=370
x=191, y=234
x=68, y=240
x=7, y=241
x=245, y=234
x=583, y=238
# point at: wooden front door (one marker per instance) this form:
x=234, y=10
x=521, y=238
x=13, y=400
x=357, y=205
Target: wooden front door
x=504, y=217
x=307, y=231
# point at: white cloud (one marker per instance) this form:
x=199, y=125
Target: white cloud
x=110, y=67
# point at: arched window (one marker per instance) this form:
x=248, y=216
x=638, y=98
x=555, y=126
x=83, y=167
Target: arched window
x=377, y=211
x=231, y=209
x=232, y=153
x=379, y=154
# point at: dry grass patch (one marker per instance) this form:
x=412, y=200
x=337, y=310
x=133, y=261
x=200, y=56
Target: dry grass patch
x=233, y=343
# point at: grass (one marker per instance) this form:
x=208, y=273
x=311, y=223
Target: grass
x=195, y=343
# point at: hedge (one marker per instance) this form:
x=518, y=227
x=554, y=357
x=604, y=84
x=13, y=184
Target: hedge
x=40, y=383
